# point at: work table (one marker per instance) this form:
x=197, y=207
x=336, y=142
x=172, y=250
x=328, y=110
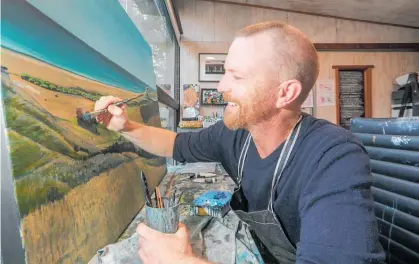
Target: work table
x=176, y=178
x=191, y=187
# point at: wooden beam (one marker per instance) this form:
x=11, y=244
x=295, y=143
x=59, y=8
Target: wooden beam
x=166, y=99
x=352, y=67
x=383, y=47
x=312, y=14
x=172, y=6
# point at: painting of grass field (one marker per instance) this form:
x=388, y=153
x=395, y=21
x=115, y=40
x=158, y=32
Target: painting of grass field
x=77, y=184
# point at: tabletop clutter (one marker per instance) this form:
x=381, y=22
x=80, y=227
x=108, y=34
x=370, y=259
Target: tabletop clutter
x=213, y=203
x=162, y=213
x=202, y=206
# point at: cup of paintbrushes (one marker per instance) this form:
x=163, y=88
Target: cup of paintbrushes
x=163, y=215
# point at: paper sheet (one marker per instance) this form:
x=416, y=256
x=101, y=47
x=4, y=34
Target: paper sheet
x=326, y=92
x=309, y=102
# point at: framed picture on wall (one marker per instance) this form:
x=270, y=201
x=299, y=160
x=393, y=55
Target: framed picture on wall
x=212, y=97
x=211, y=66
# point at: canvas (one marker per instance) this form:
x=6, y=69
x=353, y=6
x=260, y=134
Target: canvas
x=77, y=184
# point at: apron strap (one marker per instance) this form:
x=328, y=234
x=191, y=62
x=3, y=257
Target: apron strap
x=243, y=155
x=281, y=163
x=283, y=160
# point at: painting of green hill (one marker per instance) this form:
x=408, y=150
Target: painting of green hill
x=26, y=154
x=77, y=183
x=50, y=156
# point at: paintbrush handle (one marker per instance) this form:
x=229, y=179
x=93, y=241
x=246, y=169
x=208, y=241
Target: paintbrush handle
x=174, y=197
x=146, y=192
x=160, y=203
x=102, y=111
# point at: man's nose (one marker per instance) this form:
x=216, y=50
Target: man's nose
x=222, y=85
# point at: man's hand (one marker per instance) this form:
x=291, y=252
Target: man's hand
x=160, y=248
x=116, y=117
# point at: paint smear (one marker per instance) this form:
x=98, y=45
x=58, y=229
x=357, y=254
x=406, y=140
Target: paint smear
x=399, y=140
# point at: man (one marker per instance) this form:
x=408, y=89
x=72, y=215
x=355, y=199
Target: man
x=303, y=183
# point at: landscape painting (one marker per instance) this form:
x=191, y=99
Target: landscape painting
x=77, y=184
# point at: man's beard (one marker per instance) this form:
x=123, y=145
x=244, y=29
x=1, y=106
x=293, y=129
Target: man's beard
x=237, y=119
x=259, y=109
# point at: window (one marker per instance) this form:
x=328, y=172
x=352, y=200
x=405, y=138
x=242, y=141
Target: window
x=152, y=20
x=167, y=116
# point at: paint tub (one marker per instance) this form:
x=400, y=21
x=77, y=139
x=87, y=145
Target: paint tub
x=165, y=220
x=213, y=203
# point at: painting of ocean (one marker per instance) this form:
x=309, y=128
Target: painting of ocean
x=77, y=184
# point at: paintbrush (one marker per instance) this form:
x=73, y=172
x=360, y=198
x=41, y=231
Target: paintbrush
x=102, y=111
x=173, y=198
x=159, y=200
x=180, y=197
x=146, y=192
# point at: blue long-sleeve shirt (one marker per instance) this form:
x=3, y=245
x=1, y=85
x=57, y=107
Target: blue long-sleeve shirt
x=323, y=199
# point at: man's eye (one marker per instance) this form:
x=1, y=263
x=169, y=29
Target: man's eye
x=236, y=77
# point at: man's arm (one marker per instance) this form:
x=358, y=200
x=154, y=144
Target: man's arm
x=203, y=146
x=157, y=141
x=184, y=147
x=338, y=223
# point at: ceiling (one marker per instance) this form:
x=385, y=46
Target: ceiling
x=394, y=12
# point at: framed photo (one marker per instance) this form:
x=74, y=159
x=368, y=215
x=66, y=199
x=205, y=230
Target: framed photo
x=211, y=66
x=212, y=97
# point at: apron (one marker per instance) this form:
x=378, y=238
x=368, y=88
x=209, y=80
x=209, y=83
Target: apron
x=266, y=229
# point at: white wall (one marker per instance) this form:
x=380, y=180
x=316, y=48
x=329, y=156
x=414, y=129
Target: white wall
x=210, y=27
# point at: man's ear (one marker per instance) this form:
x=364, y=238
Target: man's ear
x=288, y=93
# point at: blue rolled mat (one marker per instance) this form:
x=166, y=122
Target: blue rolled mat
x=405, y=157
x=399, y=202
x=399, y=251
x=404, y=172
x=393, y=147
x=389, y=141
x=402, y=236
x=398, y=218
x=386, y=126
x=402, y=187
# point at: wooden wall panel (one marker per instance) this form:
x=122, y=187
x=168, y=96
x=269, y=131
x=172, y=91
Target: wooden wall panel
x=387, y=66
x=222, y=31
x=319, y=29
x=261, y=14
x=352, y=31
x=210, y=27
x=200, y=19
x=189, y=67
x=186, y=10
x=241, y=18
x=402, y=12
x=205, y=14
